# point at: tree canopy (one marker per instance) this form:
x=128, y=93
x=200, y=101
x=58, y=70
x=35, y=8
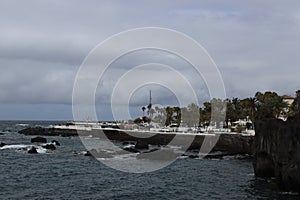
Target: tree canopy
x=262, y=105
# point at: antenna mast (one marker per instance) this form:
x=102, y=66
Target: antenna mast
x=150, y=98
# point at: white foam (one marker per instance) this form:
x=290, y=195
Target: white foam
x=26, y=147
x=22, y=124
x=129, y=146
x=41, y=150
x=15, y=146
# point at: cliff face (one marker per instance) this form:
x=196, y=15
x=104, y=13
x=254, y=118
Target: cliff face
x=277, y=151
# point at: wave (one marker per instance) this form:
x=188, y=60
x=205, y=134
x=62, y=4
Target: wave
x=15, y=146
x=22, y=125
x=25, y=148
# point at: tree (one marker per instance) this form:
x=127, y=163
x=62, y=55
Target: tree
x=160, y=115
x=194, y=114
x=218, y=111
x=294, y=109
x=176, y=115
x=205, y=114
x=143, y=109
x=235, y=103
x=269, y=105
x=169, y=114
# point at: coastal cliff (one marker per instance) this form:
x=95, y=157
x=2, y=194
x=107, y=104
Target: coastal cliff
x=277, y=151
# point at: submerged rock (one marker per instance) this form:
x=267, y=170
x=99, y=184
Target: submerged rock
x=38, y=140
x=98, y=154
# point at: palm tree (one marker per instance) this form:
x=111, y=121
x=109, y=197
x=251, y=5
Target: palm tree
x=143, y=109
x=235, y=102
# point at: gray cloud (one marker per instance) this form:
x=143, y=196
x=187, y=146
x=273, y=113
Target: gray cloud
x=42, y=43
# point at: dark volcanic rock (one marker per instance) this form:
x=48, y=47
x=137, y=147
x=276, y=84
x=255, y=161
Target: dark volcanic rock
x=49, y=132
x=235, y=143
x=264, y=165
x=55, y=142
x=127, y=143
x=193, y=156
x=141, y=144
x=39, y=140
x=32, y=150
x=131, y=149
x=2, y=144
x=277, y=151
x=91, y=152
x=49, y=146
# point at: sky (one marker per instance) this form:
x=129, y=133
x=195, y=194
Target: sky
x=253, y=43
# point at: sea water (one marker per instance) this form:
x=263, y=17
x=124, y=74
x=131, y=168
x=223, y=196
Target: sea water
x=67, y=174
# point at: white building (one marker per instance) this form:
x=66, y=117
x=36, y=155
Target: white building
x=289, y=100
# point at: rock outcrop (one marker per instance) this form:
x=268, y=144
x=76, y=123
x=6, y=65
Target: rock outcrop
x=231, y=143
x=277, y=151
x=55, y=142
x=48, y=132
x=2, y=144
x=141, y=144
x=39, y=140
x=49, y=146
x=32, y=150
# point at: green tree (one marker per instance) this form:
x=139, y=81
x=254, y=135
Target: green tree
x=269, y=105
x=295, y=107
x=205, y=114
x=169, y=114
x=218, y=111
x=143, y=109
x=192, y=117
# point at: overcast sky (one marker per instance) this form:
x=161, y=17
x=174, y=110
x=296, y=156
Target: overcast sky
x=255, y=45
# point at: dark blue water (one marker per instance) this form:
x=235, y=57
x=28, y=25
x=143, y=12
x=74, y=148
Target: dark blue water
x=67, y=174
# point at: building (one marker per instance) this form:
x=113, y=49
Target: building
x=289, y=100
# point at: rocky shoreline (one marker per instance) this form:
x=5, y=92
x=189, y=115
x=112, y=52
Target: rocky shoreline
x=277, y=151
x=275, y=146
x=231, y=143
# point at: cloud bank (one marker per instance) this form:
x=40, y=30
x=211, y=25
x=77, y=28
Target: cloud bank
x=43, y=43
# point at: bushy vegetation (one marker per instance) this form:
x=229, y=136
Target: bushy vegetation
x=262, y=105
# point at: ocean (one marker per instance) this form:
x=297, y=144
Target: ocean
x=68, y=174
